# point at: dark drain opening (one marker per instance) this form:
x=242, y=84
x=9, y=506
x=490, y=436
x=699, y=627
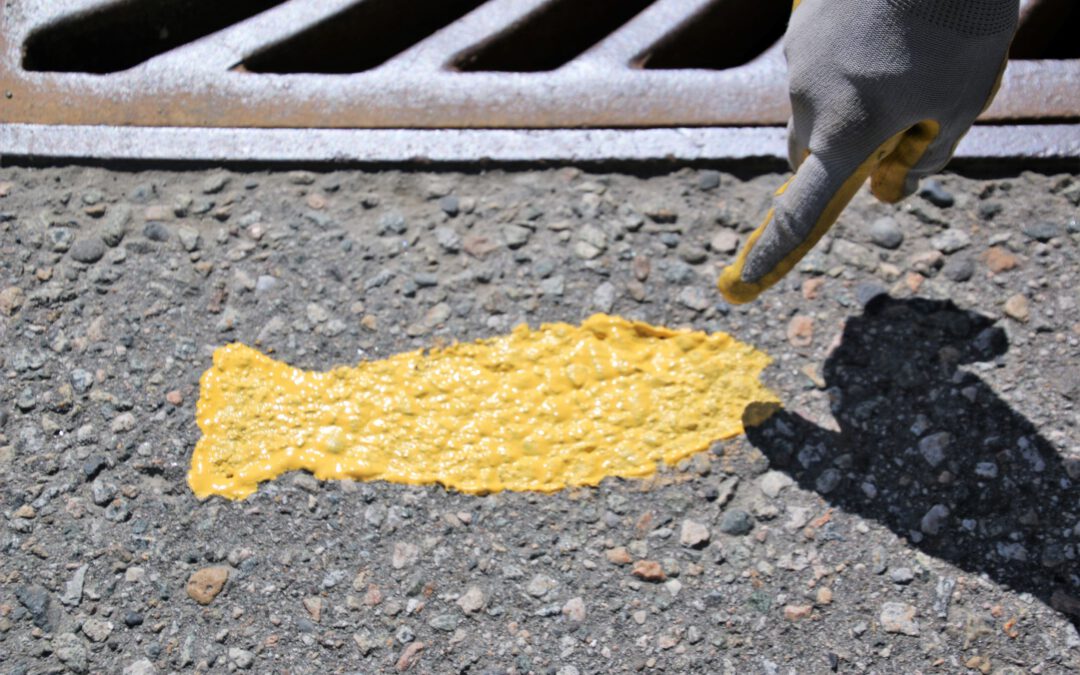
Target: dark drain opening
x=125, y=34
x=551, y=36
x=726, y=34
x=1051, y=30
x=359, y=38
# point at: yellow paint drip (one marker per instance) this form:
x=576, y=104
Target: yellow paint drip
x=534, y=410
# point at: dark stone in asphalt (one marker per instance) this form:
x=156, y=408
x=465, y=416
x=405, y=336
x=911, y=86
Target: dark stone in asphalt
x=987, y=210
x=736, y=522
x=38, y=603
x=155, y=231
x=93, y=466
x=450, y=205
x=933, y=192
x=1042, y=231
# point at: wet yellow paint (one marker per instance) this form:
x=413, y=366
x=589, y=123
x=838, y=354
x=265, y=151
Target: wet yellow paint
x=533, y=410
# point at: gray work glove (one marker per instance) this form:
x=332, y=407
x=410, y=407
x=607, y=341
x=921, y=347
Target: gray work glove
x=883, y=89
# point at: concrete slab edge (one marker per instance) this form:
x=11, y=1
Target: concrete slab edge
x=33, y=142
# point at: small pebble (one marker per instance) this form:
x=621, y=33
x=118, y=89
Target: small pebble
x=933, y=192
x=540, y=585
x=448, y=239
x=444, y=622
x=215, y=183
x=204, y=585
x=772, y=483
x=902, y=575
x=88, y=250
x=724, y=241
x=241, y=658
x=405, y=554
x=1000, y=260
x=933, y=447
x=450, y=205
x=189, y=238
x=618, y=556
x=649, y=570
x=824, y=595
x=959, y=269
x=155, y=231
x=516, y=236
x=694, y=298
x=1018, y=308
x=951, y=241
x=736, y=522
x=11, y=300
x=574, y=610
x=886, y=233
x=800, y=331
x=693, y=534
x=1042, y=231
x=708, y=180
x=472, y=601
x=797, y=612
x=935, y=519
x=693, y=254
x=828, y=480
x=314, y=607
x=899, y=617
x=987, y=210
x=391, y=223
x=409, y=656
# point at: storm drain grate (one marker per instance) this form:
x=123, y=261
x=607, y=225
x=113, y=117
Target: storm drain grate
x=697, y=67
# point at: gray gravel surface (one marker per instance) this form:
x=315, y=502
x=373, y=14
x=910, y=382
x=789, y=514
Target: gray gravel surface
x=914, y=509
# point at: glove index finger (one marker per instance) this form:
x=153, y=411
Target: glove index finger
x=760, y=264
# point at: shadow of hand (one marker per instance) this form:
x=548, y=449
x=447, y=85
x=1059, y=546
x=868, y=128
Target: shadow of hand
x=930, y=451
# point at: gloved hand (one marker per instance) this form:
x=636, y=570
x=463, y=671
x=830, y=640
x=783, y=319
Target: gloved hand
x=883, y=89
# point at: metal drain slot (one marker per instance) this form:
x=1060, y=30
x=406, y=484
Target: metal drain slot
x=551, y=36
x=359, y=38
x=1050, y=29
x=122, y=35
x=748, y=30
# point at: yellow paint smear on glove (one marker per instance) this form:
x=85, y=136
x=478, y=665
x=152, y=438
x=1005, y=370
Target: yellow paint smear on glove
x=533, y=410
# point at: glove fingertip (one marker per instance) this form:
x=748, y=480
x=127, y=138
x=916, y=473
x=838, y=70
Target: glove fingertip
x=734, y=289
x=887, y=187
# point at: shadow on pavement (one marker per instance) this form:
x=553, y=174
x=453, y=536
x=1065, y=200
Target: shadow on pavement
x=930, y=451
